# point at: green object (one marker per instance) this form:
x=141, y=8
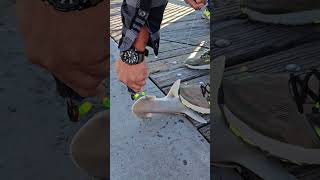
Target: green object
x=206, y=14
x=84, y=108
x=136, y=96
x=106, y=103
x=317, y=105
x=237, y=133
x=317, y=130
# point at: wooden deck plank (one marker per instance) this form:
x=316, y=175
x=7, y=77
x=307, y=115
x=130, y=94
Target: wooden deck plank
x=165, y=79
x=254, y=40
x=306, y=55
x=226, y=9
x=205, y=131
x=167, y=46
x=171, y=60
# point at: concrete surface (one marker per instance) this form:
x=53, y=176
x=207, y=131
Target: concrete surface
x=34, y=131
x=164, y=148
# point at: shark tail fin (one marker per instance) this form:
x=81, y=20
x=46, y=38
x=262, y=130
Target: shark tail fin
x=194, y=116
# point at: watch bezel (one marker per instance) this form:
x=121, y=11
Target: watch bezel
x=132, y=56
x=138, y=56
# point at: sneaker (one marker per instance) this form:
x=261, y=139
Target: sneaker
x=202, y=62
x=278, y=118
x=86, y=108
x=79, y=107
x=196, y=97
x=89, y=146
x=288, y=12
x=206, y=14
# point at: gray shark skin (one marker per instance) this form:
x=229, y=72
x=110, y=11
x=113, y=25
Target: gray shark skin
x=146, y=106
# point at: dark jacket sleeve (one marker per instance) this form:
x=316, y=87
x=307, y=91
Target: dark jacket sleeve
x=134, y=16
x=140, y=17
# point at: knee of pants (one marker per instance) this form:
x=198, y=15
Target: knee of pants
x=90, y=146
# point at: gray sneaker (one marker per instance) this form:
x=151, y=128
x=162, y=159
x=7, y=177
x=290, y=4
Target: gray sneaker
x=196, y=97
x=202, y=62
x=278, y=113
x=288, y=12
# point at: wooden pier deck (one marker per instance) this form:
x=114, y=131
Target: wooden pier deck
x=183, y=34
x=259, y=47
x=254, y=47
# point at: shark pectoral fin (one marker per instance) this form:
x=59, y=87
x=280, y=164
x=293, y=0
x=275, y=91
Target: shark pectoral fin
x=194, y=116
x=174, y=90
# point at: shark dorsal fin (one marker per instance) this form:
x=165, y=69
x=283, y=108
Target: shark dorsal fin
x=174, y=90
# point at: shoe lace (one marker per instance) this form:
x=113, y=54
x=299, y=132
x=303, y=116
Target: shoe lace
x=205, y=55
x=205, y=90
x=299, y=89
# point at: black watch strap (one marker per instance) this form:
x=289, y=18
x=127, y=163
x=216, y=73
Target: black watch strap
x=143, y=54
x=72, y=5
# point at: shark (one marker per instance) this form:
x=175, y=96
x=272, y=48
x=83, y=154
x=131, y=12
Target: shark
x=147, y=106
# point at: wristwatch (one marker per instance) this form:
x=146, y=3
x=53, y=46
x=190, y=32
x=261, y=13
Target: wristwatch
x=71, y=5
x=133, y=56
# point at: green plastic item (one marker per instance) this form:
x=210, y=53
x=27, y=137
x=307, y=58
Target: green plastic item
x=106, y=103
x=317, y=130
x=84, y=108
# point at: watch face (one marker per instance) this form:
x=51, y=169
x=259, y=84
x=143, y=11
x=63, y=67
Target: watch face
x=130, y=56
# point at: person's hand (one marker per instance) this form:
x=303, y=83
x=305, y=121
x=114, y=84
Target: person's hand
x=196, y=4
x=134, y=76
x=70, y=45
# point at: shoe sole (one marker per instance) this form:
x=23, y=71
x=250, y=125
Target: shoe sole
x=198, y=109
x=309, y=17
x=202, y=67
x=229, y=148
x=218, y=65
x=83, y=147
x=289, y=152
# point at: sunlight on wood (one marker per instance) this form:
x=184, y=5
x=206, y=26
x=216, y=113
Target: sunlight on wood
x=196, y=50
